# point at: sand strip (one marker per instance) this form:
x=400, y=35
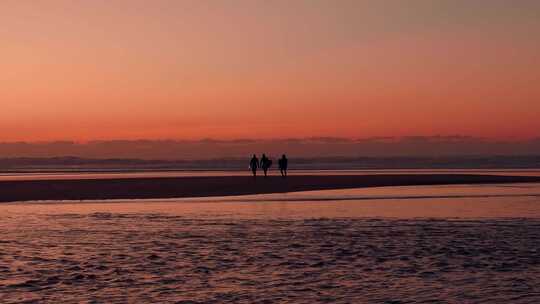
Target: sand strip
x=178, y=187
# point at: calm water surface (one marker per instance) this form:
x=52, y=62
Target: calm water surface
x=150, y=174
x=445, y=244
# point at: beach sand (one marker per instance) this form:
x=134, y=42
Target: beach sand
x=179, y=187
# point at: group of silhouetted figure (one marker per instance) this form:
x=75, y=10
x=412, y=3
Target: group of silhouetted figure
x=265, y=163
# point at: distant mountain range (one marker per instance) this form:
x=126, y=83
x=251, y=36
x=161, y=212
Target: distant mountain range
x=432, y=152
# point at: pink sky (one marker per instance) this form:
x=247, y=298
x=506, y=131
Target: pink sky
x=86, y=70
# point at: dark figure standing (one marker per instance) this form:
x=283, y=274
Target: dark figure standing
x=254, y=165
x=265, y=164
x=283, y=164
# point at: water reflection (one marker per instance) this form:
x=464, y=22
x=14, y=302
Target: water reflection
x=340, y=246
x=152, y=174
x=464, y=201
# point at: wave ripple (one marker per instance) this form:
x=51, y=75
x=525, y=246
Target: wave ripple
x=117, y=258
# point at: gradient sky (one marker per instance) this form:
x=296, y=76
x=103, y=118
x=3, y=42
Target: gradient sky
x=85, y=70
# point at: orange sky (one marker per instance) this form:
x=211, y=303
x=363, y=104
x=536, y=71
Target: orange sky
x=84, y=70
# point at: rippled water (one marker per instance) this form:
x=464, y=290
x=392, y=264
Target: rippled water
x=453, y=244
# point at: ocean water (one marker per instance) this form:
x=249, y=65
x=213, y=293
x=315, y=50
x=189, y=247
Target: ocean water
x=437, y=244
x=81, y=174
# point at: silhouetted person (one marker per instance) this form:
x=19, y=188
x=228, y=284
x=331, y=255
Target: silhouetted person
x=254, y=165
x=283, y=164
x=265, y=164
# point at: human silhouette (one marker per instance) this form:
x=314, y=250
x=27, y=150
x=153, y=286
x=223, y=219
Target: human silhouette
x=283, y=164
x=265, y=164
x=254, y=165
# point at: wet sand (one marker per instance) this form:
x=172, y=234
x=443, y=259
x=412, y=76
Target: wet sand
x=179, y=187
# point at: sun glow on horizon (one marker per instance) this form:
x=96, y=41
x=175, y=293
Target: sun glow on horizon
x=82, y=71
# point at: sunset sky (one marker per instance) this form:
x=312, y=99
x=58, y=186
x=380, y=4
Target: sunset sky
x=100, y=70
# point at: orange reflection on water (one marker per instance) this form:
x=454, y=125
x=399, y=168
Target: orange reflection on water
x=465, y=201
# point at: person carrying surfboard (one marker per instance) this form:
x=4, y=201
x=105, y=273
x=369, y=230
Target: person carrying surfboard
x=265, y=163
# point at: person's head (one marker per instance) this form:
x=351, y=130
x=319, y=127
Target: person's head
x=264, y=155
x=283, y=156
x=254, y=156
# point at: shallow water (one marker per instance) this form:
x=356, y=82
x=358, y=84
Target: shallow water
x=453, y=244
x=70, y=175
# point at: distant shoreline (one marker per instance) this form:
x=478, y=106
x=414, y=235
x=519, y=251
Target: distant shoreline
x=77, y=164
x=305, y=171
x=182, y=187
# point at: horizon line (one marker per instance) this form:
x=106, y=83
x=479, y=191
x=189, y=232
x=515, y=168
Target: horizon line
x=335, y=139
